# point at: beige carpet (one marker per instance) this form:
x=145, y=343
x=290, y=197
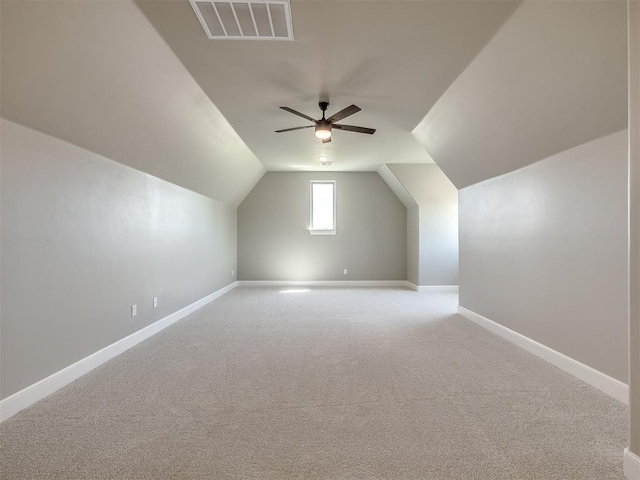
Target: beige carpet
x=324, y=384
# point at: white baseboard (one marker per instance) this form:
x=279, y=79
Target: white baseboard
x=438, y=288
x=33, y=393
x=611, y=386
x=631, y=465
x=348, y=283
x=322, y=283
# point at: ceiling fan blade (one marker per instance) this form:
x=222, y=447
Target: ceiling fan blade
x=294, y=128
x=344, y=113
x=295, y=112
x=351, y=128
x=326, y=140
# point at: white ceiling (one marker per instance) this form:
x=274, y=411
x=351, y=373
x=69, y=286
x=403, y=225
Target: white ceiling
x=392, y=59
x=485, y=87
x=98, y=75
x=554, y=77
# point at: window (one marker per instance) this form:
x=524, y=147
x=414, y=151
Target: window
x=323, y=208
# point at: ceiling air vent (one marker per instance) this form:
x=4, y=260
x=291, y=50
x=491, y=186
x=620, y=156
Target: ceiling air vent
x=245, y=20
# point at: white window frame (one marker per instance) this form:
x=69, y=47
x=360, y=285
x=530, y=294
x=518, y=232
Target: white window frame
x=316, y=231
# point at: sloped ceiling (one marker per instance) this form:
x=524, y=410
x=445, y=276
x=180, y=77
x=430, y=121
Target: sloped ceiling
x=425, y=183
x=555, y=76
x=98, y=75
x=485, y=87
x=397, y=187
x=393, y=59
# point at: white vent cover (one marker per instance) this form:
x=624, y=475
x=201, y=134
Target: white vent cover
x=245, y=19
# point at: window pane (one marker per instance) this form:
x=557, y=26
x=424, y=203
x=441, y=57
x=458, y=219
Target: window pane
x=322, y=206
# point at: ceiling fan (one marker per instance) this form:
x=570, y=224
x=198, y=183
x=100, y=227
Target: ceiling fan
x=323, y=126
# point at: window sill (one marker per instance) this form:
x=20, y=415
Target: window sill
x=322, y=232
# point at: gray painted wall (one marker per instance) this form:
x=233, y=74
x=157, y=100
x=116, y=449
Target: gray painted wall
x=84, y=238
x=543, y=251
x=274, y=243
x=437, y=200
x=413, y=244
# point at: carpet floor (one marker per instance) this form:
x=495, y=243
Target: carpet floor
x=321, y=384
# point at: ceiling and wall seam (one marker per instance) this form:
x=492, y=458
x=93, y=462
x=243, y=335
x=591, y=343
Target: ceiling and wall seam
x=549, y=158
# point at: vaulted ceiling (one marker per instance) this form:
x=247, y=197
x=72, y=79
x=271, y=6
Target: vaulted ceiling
x=554, y=77
x=392, y=59
x=479, y=87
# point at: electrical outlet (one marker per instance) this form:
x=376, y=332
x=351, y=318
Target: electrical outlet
x=346, y=271
x=155, y=302
x=233, y=273
x=134, y=310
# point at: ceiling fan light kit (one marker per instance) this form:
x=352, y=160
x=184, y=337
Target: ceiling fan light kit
x=323, y=130
x=323, y=126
